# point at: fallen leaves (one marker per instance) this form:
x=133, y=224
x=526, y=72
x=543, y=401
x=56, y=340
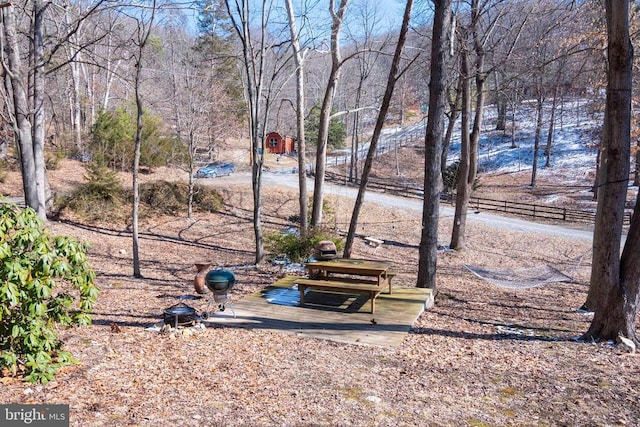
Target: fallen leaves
x=481, y=354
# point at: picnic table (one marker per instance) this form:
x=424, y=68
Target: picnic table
x=351, y=276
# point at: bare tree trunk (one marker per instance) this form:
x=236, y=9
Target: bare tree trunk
x=111, y=72
x=42, y=187
x=74, y=65
x=355, y=143
x=433, y=147
x=254, y=59
x=395, y=152
x=596, y=180
x=454, y=113
x=15, y=84
x=501, y=102
x=513, y=123
x=300, y=113
x=27, y=91
x=629, y=283
x=463, y=190
x=136, y=186
x=614, y=287
x=18, y=85
x=403, y=96
x=467, y=171
x=552, y=119
x=382, y=114
x=501, y=121
x=76, y=120
x=366, y=62
x=325, y=113
x=536, y=140
x=142, y=36
x=257, y=140
x=191, y=147
x=89, y=106
x=480, y=80
x=355, y=135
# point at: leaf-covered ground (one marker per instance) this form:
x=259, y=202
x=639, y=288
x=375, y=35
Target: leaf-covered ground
x=482, y=356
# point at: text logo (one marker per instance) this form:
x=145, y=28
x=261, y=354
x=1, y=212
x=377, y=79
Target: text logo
x=34, y=415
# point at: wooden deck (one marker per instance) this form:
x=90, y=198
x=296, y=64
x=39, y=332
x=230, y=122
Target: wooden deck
x=327, y=315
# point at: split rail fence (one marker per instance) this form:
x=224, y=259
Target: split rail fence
x=480, y=204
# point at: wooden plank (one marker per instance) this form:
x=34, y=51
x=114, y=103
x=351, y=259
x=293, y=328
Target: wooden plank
x=345, y=280
x=352, y=263
x=350, y=323
x=345, y=283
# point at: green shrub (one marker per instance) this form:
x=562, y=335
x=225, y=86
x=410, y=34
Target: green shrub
x=44, y=281
x=102, y=183
x=298, y=247
x=450, y=178
x=113, y=137
x=100, y=198
x=336, y=133
x=207, y=199
x=164, y=197
x=52, y=159
x=103, y=198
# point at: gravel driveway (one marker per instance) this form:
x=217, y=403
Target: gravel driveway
x=289, y=179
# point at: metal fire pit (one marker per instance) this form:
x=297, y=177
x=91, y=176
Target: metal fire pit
x=325, y=250
x=219, y=282
x=179, y=315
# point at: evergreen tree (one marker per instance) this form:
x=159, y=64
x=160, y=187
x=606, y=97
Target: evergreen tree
x=337, y=130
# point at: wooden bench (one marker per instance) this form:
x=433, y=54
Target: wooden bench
x=343, y=285
x=374, y=243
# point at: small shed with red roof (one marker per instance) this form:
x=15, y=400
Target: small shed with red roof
x=280, y=144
